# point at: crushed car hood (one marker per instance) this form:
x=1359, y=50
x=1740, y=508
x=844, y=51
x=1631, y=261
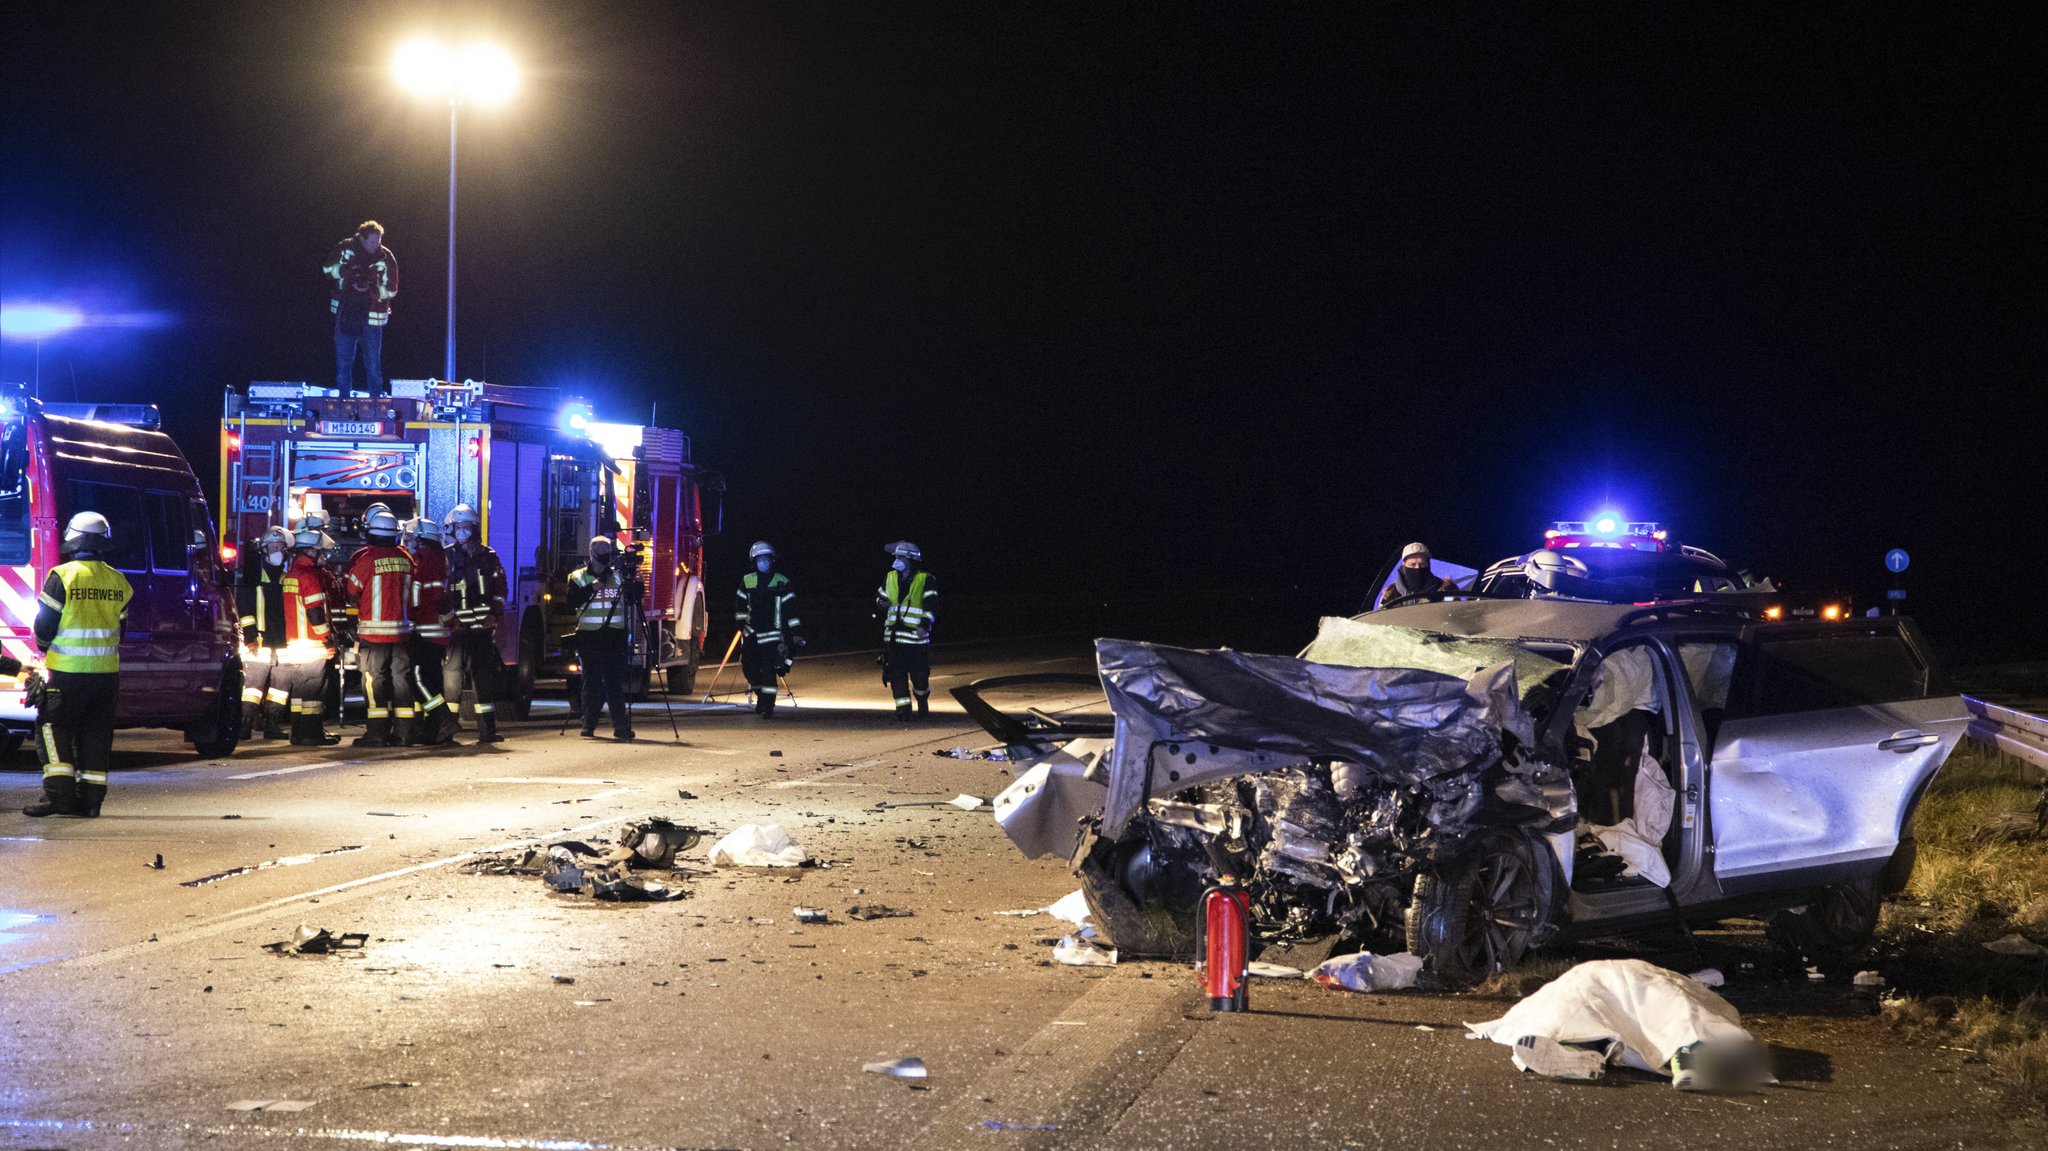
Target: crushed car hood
x=1185, y=718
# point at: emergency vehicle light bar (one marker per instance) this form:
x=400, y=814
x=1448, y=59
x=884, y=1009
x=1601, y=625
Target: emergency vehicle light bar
x=1586, y=528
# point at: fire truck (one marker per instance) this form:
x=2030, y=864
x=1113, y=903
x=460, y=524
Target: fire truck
x=543, y=473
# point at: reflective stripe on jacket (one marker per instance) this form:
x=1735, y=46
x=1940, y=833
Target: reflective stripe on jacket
x=766, y=612
x=305, y=601
x=430, y=594
x=476, y=589
x=380, y=586
x=603, y=603
x=907, y=614
x=90, y=599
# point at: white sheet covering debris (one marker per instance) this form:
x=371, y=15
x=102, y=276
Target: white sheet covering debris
x=1638, y=1012
x=758, y=845
x=1368, y=972
x=1072, y=907
x=1275, y=971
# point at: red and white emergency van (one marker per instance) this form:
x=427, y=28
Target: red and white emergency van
x=180, y=666
x=543, y=473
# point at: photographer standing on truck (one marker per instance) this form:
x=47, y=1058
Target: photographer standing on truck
x=365, y=274
x=84, y=602
x=603, y=594
x=476, y=605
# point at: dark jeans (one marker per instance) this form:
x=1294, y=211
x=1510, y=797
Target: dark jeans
x=907, y=667
x=372, y=342
x=473, y=662
x=603, y=655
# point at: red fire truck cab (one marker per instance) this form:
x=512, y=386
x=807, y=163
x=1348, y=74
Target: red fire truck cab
x=543, y=474
x=180, y=667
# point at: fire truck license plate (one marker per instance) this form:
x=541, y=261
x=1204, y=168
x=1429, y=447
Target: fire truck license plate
x=350, y=428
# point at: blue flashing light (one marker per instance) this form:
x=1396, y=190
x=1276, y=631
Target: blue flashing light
x=34, y=321
x=1607, y=525
x=576, y=418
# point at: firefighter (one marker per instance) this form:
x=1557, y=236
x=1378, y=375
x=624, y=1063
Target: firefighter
x=429, y=642
x=309, y=635
x=259, y=596
x=476, y=606
x=1414, y=577
x=905, y=601
x=365, y=274
x=84, y=602
x=601, y=593
x=769, y=623
x=379, y=578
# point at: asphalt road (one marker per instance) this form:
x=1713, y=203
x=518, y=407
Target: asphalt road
x=140, y=1008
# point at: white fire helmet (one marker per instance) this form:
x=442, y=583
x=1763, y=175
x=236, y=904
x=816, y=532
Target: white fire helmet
x=381, y=523
x=904, y=549
x=761, y=548
x=602, y=546
x=87, y=531
x=424, y=528
x=459, y=515
x=277, y=535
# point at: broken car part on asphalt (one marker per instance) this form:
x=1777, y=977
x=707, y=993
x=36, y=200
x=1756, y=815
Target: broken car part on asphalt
x=318, y=941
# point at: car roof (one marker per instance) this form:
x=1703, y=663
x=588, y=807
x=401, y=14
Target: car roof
x=1571, y=620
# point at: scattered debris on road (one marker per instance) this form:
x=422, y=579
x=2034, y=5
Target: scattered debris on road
x=908, y=1068
x=159, y=864
x=270, y=1105
x=1274, y=971
x=999, y=1125
x=1365, y=971
x=810, y=915
x=318, y=941
x=963, y=802
x=865, y=911
x=992, y=754
x=561, y=979
x=1079, y=950
x=758, y=845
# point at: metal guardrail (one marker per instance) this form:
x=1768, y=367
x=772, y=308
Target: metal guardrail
x=2016, y=733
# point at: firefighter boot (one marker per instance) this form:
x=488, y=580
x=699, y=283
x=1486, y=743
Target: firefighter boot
x=376, y=732
x=924, y=705
x=405, y=732
x=252, y=719
x=273, y=721
x=447, y=724
x=60, y=797
x=487, y=728
x=90, y=796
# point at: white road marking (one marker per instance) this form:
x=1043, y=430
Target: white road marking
x=284, y=770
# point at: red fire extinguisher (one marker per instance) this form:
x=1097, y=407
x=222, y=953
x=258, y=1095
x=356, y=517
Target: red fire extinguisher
x=1226, y=944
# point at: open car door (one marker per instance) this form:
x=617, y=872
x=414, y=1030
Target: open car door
x=1832, y=734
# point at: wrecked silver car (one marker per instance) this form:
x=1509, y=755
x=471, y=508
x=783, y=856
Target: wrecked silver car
x=1473, y=779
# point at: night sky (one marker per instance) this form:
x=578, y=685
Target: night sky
x=1126, y=299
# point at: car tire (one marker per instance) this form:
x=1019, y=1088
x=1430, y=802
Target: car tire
x=11, y=741
x=1480, y=912
x=525, y=672
x=1833, y=931
x=1138, y=929
x=219, y=736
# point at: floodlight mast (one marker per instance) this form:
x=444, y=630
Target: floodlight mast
x=479, y=74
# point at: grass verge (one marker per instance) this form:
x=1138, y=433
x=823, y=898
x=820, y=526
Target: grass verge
x=1982, y=874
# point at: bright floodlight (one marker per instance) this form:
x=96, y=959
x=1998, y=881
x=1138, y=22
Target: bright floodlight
x=487, y=74
x=34, y=321
x=423, y=68
x=477, y=74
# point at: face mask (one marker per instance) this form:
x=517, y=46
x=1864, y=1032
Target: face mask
x=274, y=559
x=763, y=564
x=462, y=535
x=901, y=565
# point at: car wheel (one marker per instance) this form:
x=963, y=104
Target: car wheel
x=1833, y=931
x=10, y=741
x=1481, y=912
x=218, y=737
x=525, y=672
x=682, y=678
x=1140, y=927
